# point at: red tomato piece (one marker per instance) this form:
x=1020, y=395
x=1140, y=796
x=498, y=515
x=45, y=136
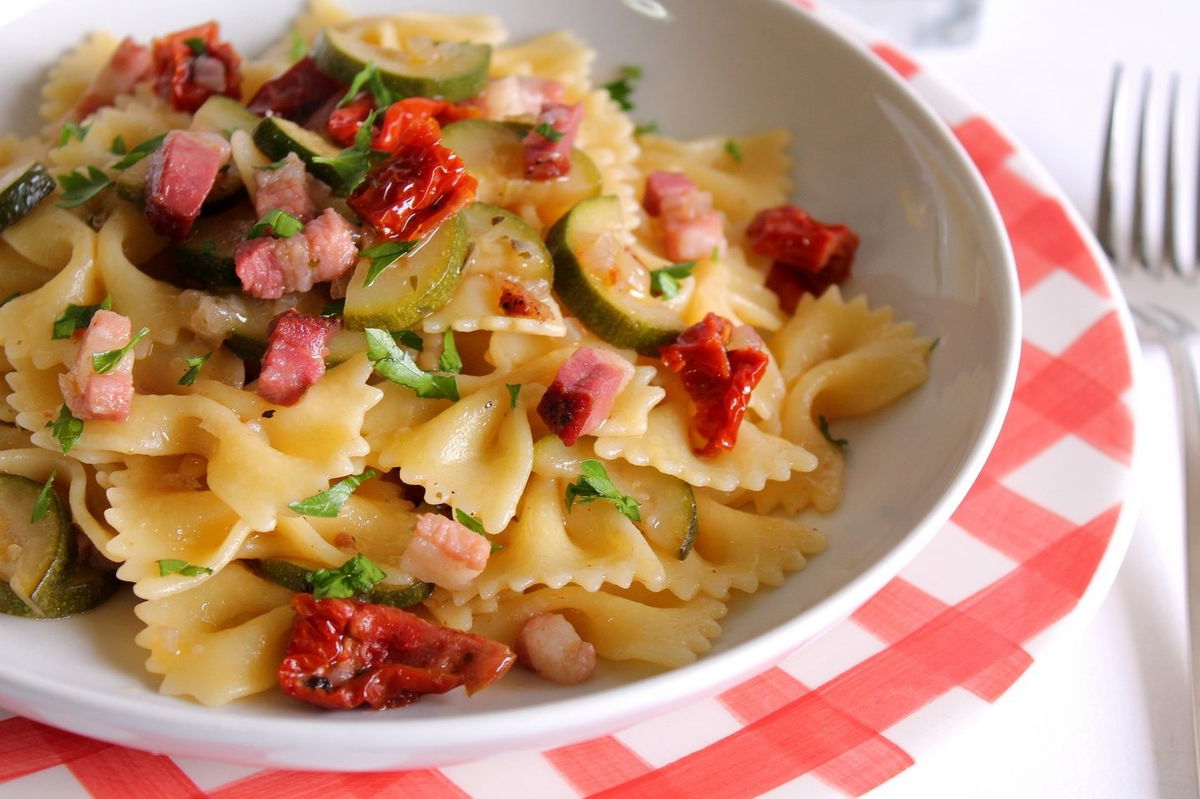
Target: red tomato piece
x=421, y=185
x=809, y=255
x=719, y=381
x=346, y=654
x=296, y=94
x=192, y=65
x=344, y=122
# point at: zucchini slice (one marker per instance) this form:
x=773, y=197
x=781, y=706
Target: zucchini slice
x=504, y=242
x=411, y=288
x=666, y=504
x=494, y=154
x=422, y=68
x=39, y=576
x=277, y=137
x=603, y=284
x=21, y=189
x=206, y=255
x=294, y=577
x=221, y=114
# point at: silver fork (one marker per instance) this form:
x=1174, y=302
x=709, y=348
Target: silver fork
x=1164, y=296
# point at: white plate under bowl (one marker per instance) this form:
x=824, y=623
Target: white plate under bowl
x=868, y=153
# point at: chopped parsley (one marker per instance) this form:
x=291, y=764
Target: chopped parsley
x=468, y=521
x=594, y=484
x=665, y=281
x=193, y=368
x=140, y=151
x=105, y=361
x=41, y=505
x=328, y=503
x=80, y=186
x=734, y=149
x=297, y=46
x=645, y=127
x=77, y=317
x=72, y=130
x=169, y=566
x=449, y=360
x=278, y=222
x=411, y=339
x=384, y=255
x=549, y=132
x=823, y=425
x=354, y=577
x=196, y=45
x=66, y=428
x=370, y=80
x=933, y=344
x=398, y=366
x=118, y=145
x=621, y=89
x=514, y=391
x=353, y=163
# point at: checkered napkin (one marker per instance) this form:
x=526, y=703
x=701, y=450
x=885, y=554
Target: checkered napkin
x=856, y=706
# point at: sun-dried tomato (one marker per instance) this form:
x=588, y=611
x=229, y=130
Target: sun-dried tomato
x=192, y=65
x=344, y=122
x=810, y=256
x=421, y=185
x=346, y=654
x=718, y=380
x=296, y=94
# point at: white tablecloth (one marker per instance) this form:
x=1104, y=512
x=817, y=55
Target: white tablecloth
x=1106, y=715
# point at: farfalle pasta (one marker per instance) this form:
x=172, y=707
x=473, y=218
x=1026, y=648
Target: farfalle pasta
x=588, y=373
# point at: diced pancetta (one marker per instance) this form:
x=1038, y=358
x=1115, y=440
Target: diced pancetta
x=130, y=63
x=548, y=157
x=210, y=73
x=518, y=95
x=444, y=552
x=691, y=229
x=583, y=392
x=284, y=187
x=295, y=356
x=94, y=395
x=181, y=174
x=549, y=645
x=271, y=267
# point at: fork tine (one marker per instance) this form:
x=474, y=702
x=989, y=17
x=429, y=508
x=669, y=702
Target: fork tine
x=1106, y=211
x=1141, y=245
x=1171, y=252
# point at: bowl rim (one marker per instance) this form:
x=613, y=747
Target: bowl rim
x=575, y=717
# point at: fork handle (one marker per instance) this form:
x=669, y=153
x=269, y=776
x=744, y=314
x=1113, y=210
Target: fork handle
x=1189, y=414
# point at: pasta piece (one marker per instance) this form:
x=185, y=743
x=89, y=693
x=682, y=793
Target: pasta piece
x=732, y=288
x=630, y=415
x=393, y=31
x=147, y=302
x=559, y=55
x=639, y=625
x=70, y=77
x=475, y=456
x=757, y=457
x=606, y=135
x=133, y=117
x=399, y=411
x=219, y=641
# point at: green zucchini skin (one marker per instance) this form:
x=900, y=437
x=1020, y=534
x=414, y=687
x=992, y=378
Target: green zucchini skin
x=22, y=190
x=294, y=577
x=277, y=137
x=206, y=255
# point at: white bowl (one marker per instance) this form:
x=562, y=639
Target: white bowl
x=867, y=152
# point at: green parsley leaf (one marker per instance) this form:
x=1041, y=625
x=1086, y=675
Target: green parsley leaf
x=41, y=505
x=398, y=366
x=411, y=339
x=77, y=317
x=354, y=577
x=468, y=521
x=549, y=132
x=118, y=145
x=329, y=502
x=66, y=428
x=334, y=308
x=594, y=484
x=665, y=281
x=193, y=371
x=72, y=130
x=449, y=360
x=140, y=151
x=297, y=46
x=933, y=344
x=105, y=361
x=823, y=425
x=353, y=163
x=79, y=187
x=278, y=222
x=369, y=79
x=384, y=255
x=196, y=45
x=645, y=127
x=621, y=89
x=169, y=566
x=715, y=255
x=514, y=391
x=734, y=149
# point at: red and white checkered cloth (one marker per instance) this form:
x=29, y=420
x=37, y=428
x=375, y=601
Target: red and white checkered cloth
x=1045, y=521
